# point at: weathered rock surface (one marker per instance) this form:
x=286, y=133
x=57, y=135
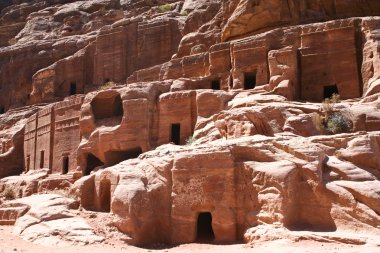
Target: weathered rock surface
x=187, y=121
x=49, y=220
x=289, y=182
x=69, y=45
x=12, y=126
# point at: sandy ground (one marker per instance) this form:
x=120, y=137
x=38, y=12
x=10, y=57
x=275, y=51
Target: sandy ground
x=12, y=243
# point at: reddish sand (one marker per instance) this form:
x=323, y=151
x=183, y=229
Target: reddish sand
x=12, y=243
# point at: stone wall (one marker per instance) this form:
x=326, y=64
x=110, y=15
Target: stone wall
x=111, y=55
x=66, y=135
x=203, y=183
x=44, y=139
x=177, y=110
x=249, y=57
x=307, y=59
x=30, y=142
x=53, y=135
x=328, y=57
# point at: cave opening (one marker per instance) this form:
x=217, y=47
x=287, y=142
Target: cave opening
x=92, y=163
x=330, y=90
x=249, y=80
x=108, y=108
x=115, y=157
x=2, y=110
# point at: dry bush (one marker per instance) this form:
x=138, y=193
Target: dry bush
x=332, y=120
x=12, y=41
x=107, y=85
x=9, y=194
x=164, y=8
x=275, y=127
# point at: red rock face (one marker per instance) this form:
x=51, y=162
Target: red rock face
x=52, y=136
x=340, y=47
x=195, y=121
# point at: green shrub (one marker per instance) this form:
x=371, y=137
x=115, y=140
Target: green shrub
x=338, y=123
x=184, y=13
x=190, y=140
x=165, y=8
x=331, y=119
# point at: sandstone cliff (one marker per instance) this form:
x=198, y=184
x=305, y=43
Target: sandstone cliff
x=189, y=120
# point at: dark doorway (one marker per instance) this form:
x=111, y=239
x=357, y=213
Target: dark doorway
x=65, y=165
x=28, y=163
x=92, y=163
x=73, y=88
x=176, y=134
x=2, y=109
x=329, y=91
x=42, y=158
x=115, y=157
x=249, y=81
x=215, y=84
x=205, y=233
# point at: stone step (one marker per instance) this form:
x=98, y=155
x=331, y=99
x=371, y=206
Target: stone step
x=9, y=215
x=55, y=181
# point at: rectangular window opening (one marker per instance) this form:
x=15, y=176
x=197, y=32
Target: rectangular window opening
x=249, y=81
x=42, y=158
x=73, y=88
x=330, y=90
x=176, y=134
x=65, y=165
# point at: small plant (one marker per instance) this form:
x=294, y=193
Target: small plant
x=328, y=105
x=9, y=194
x=332, y=120
x=275, y=127
x=107, y=85
x=165, y=8
x=190, y=140
x=184, y=13
x=338, y=123
x=12, y=41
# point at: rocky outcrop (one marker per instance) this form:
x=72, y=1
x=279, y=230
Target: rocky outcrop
x=12, y=140
x=257, y=16
x=182, y=121
x=70, y=49
x=284, y=181
x=49, y=220
x=297, y=66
